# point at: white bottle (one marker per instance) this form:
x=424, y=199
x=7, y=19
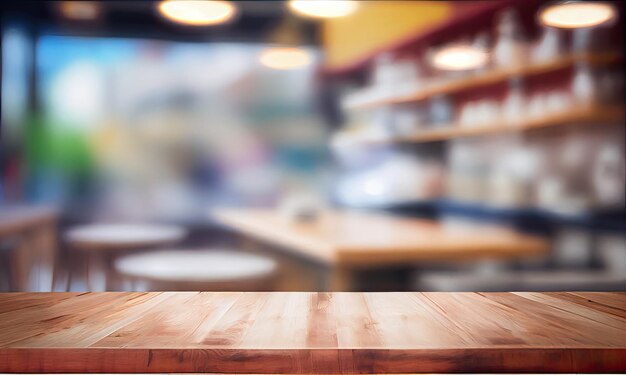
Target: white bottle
x=482, y=42
x=608, y=176
x=509, y=49
x=514, y=102
x=583, y=85
x=549, y=47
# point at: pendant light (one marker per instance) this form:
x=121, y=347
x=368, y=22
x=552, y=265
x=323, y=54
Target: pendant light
x=577, y=14
x=80, y=10
x=323, y=8
x=460, y=56
x=198, y=12
x=286, y=51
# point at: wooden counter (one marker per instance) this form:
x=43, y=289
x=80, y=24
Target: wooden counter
x=318, y=333
x=361, y=239
x=34, y=230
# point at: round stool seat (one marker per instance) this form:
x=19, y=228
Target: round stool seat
x=199, y=269
x=123, y=236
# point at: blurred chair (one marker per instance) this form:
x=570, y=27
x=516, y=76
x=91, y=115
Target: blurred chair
x=100, y=244
x=28, y=238
x=202, y=270
x=7, y=247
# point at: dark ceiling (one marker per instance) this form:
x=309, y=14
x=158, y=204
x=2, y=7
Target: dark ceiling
x=139, y=19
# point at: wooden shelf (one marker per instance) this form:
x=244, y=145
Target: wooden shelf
x=490, y=78
x=583, y=116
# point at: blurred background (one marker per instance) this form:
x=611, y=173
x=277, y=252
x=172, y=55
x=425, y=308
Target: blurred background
x=312, y=145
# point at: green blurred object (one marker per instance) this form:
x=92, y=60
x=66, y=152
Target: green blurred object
x=51, y=144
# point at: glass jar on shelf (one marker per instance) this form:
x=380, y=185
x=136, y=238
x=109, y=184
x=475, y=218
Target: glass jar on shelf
x=584, y=85
x=550, y=46
x=510, y=46
x=513, y=106
x=441, y=110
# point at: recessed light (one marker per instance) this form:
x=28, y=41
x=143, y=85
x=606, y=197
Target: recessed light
x=323, y=8
x=79, y=10
x=198, y=12
x=571, y=15
x=460, y=57
x=285, y=58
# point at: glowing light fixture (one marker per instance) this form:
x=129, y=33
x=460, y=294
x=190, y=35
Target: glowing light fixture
x=198, y=12
x=79, y=10
x=323, y=8
x=285, y=58
x=576, y=14
x=285, y=51
x=460, y=57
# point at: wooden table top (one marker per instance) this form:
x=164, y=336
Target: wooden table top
x=15, y=219
x=358, y=238
x=325, y=333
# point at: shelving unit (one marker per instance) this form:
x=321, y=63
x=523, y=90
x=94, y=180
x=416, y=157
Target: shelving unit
x=603, y=221
x=583, y=116
x=491, y=84
x=490, y=78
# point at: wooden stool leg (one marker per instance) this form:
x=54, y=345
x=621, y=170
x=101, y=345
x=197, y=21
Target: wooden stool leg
x=45, y=248
x=341, y=279
x=22, y=264
x=75, y=263
x=96, y=273
x=5, y=274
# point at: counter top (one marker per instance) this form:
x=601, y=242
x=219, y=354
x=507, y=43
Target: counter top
x=312, y=332
x=14, y=219
x=372, y=239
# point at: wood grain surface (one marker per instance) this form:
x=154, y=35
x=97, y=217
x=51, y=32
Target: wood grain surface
x=366, y=239
x=34, y=230
x=14, y=220
x=315, y=333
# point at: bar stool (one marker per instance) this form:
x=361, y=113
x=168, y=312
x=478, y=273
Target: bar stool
x=7, y=247
x=102, y=243
x=202, y=270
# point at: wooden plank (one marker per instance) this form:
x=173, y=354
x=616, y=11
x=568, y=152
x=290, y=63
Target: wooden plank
x=580, y=116
x=312, y=332
x=490, y=78
x=364, y=239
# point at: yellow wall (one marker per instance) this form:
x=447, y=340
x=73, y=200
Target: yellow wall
x=376, y=24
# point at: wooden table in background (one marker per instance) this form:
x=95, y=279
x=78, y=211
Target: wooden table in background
x=312, y=333
x=35, y=230
x=350, y=240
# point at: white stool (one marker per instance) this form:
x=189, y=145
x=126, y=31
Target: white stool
x=214, y=270
x=103, y=242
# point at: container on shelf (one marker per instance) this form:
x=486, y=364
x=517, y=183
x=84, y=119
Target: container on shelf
x=584, y=85
x=513, y=106
x=510, y=48
x=608, y=176
x=573, y=247
x=441, y=111
x=550, y=47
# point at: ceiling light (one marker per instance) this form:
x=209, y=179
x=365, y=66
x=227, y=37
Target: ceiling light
x=571, y=15
x=285, y=58
x=198, y=12
x=460, y=57
x=323, y=8
x=284, y=51
x=79, y=10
